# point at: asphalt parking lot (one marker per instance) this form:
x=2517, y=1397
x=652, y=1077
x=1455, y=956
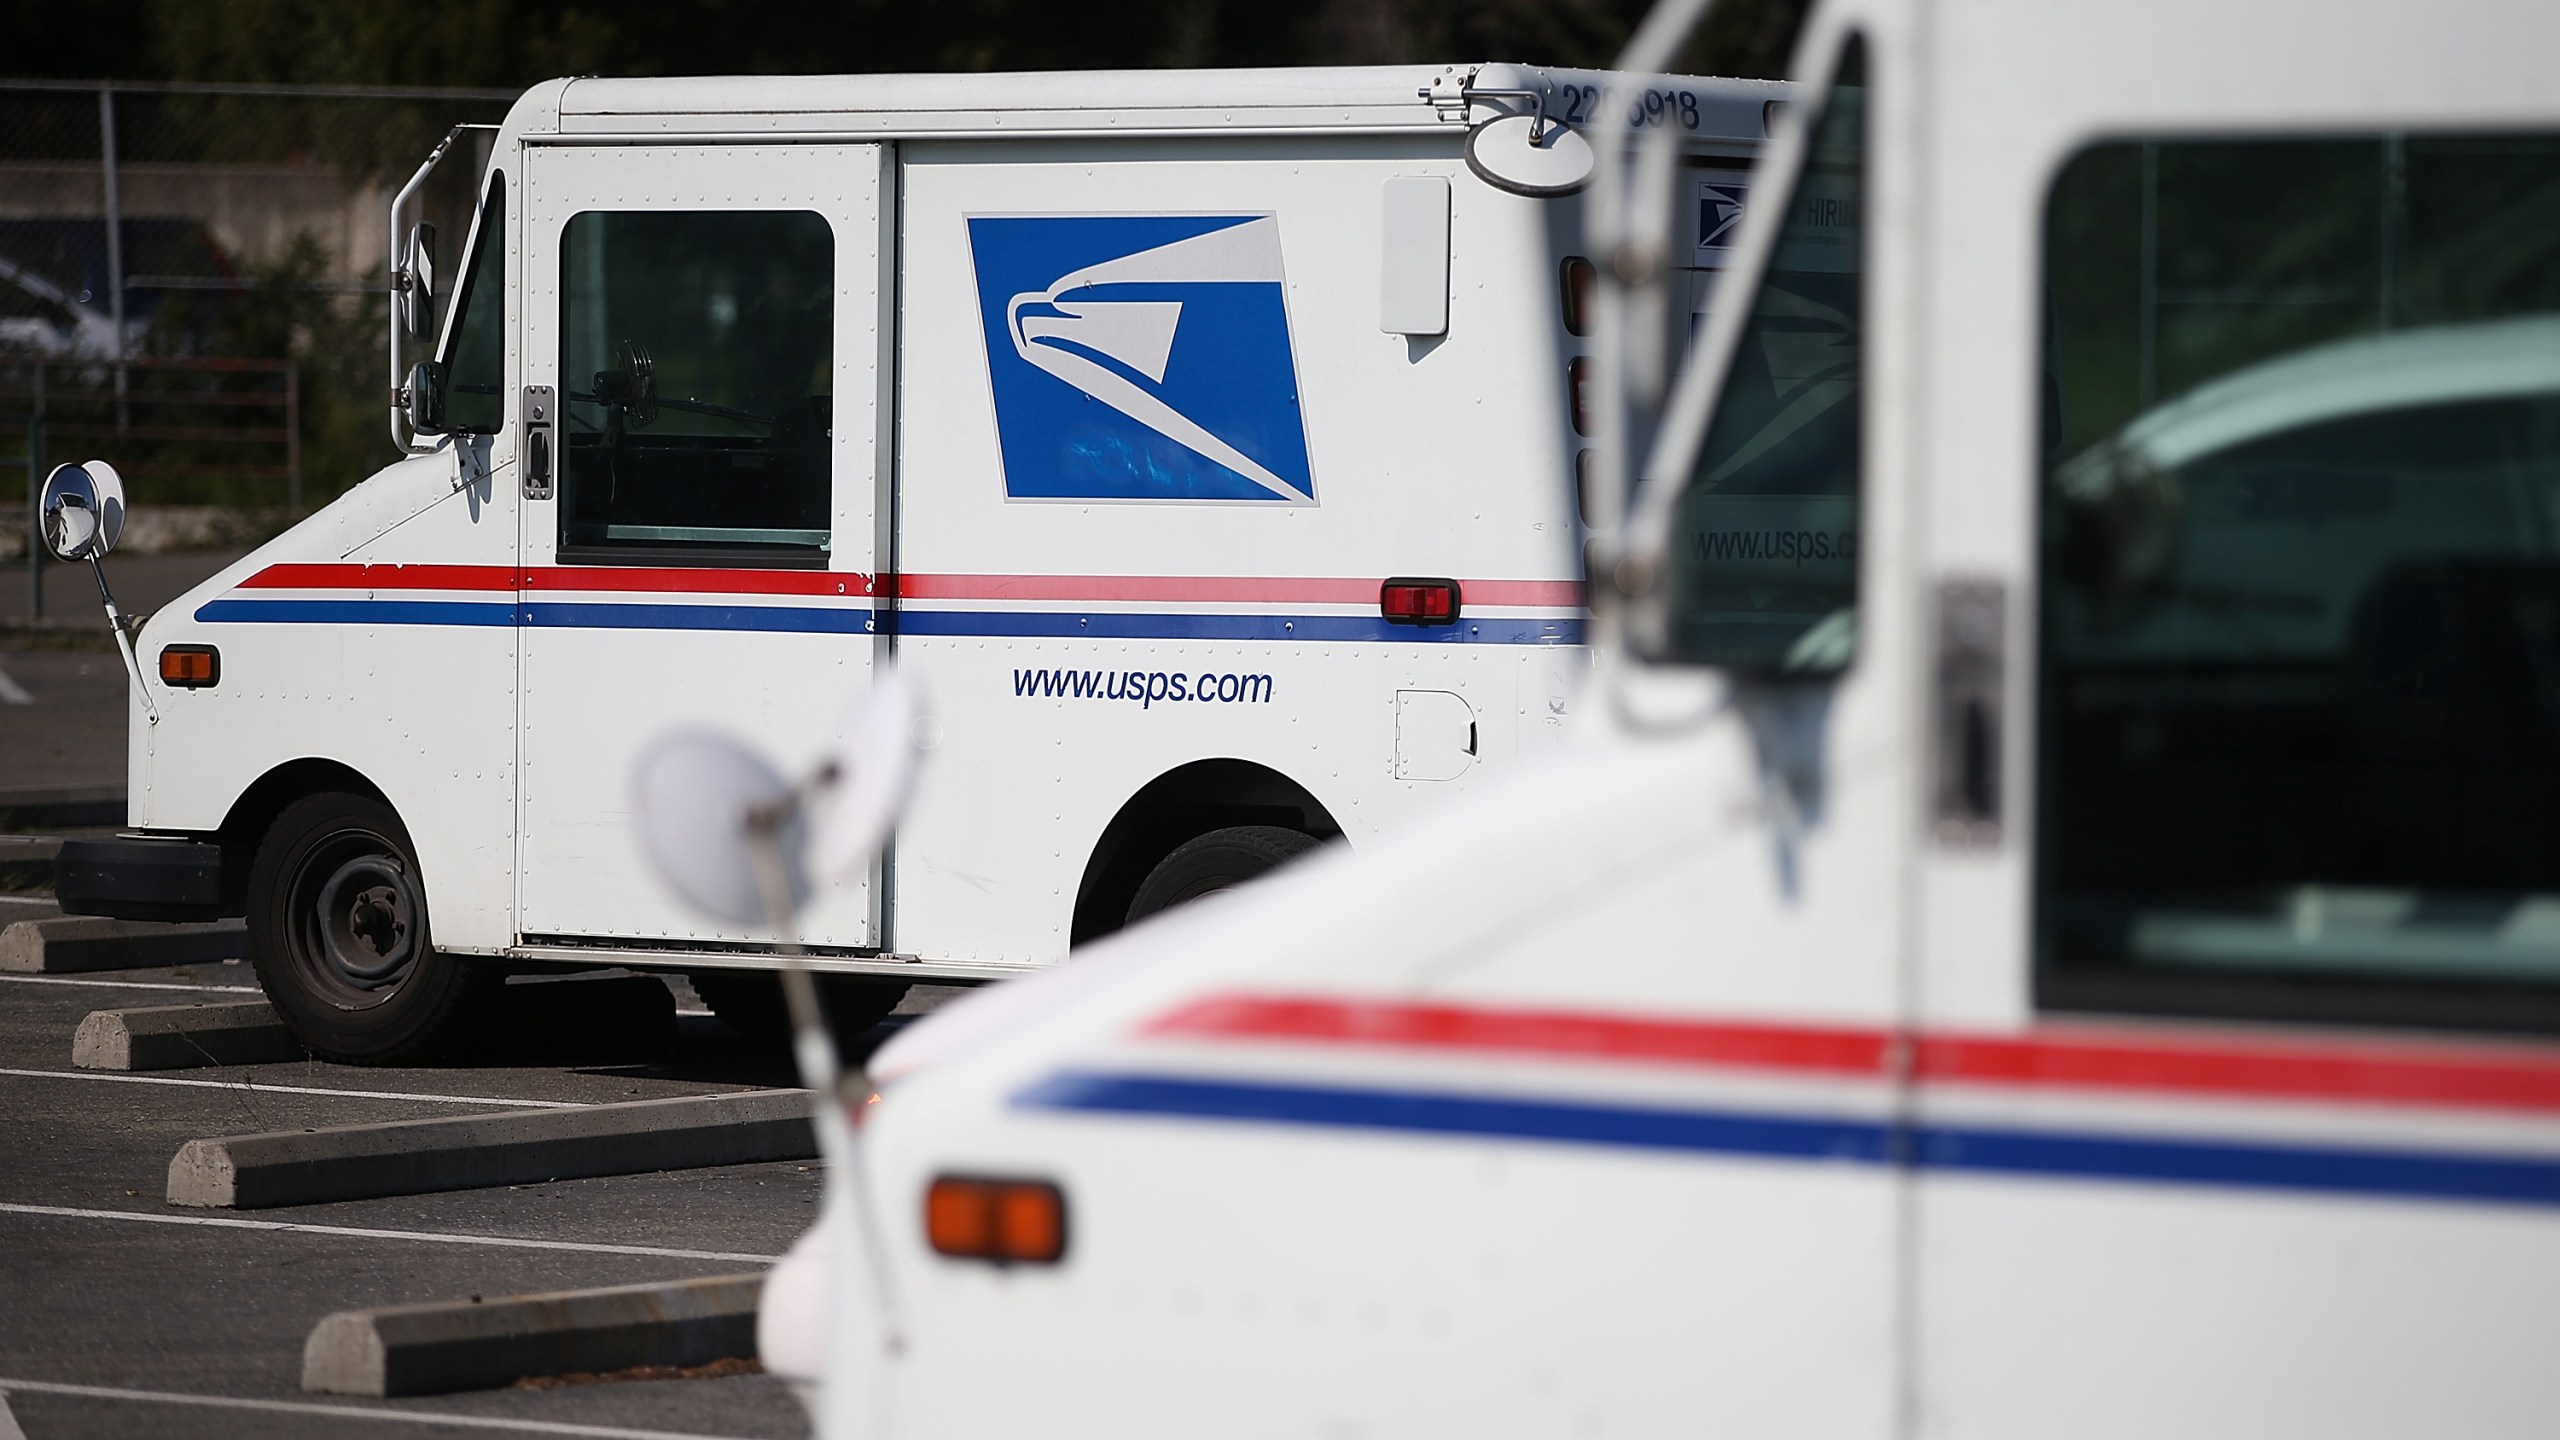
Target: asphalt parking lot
x=122, y=1315
x=62, y=685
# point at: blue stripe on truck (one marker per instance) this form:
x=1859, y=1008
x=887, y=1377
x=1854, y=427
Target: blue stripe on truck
x=2218, y=1162
x=1032, y=624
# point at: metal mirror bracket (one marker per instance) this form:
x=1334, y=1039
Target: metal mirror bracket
x=124, y=636
x=400, y=435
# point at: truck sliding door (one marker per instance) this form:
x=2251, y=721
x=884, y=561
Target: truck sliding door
x=700, y=326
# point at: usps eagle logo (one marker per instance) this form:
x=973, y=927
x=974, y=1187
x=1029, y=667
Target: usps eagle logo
x=1141, y=357
x=1719, y=213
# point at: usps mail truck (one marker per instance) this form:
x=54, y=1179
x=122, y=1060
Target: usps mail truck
x=2085, y=963
x=1205, y=444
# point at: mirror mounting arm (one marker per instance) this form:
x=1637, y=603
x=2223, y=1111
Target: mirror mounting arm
x=1469, y=93
x=124, y=628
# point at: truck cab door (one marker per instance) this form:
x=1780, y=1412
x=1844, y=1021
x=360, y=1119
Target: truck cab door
x=2245, y=432
x=699, y=473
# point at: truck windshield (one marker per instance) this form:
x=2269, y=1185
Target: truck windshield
x=1762, y=566
x=476, y=354
x=2302, y=760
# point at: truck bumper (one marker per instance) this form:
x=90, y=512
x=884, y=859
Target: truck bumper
x=138, y=877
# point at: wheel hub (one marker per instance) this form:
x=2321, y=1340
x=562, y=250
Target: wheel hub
x=367, y=930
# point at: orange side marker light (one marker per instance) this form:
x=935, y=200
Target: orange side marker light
x=1008, y=1222
x=190, y=667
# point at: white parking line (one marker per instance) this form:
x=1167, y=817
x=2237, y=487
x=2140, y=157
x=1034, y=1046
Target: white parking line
x=342, y=1412
x=110, y=1075
x=26, y=900
x=126, y=985
x=9, y=1423
x=12, y=692
x=350, y=1232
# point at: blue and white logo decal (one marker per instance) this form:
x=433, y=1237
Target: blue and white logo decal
x=1141, y=357
x=1719, y=197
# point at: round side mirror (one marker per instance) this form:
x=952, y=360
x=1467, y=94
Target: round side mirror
x=1529, y=155
x=83, y=510
x=694, y=792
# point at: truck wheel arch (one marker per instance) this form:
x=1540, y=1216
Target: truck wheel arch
x=1183, y=804
x=258, y=806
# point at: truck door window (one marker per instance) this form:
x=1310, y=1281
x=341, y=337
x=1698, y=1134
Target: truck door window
x=2300, y=701
x=697, y=354
x=1762, y=568
x=476, y=353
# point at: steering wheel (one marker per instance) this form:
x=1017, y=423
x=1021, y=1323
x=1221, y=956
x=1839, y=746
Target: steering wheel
x=640, y=405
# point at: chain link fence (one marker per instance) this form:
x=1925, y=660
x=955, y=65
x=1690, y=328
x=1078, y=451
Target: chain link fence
x=192, y=282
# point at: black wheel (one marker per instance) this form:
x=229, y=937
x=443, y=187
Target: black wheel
x=338, y=932
x=750, y=1001
x=1210, y=863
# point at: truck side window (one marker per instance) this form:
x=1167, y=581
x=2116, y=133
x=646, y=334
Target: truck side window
x=476, y=355
x=1763, y=561
x=697, y=356
x=2300, y=704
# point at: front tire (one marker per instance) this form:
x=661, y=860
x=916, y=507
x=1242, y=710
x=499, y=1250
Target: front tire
x=338, y=932
x=1207, y=864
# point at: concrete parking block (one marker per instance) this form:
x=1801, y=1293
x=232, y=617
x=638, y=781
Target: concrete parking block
x=180, y=1037
x=69, y=944
x=480, y=1345
x=464, y=1152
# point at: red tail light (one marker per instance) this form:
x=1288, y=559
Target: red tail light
x=1407, y=601
x=1578, y=282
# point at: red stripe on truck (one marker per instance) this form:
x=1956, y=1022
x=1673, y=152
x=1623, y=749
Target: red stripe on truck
x=383, y=577
x=1215, y=589
x=1206, y=589
x=1534, y=1032
x=2488, y=1075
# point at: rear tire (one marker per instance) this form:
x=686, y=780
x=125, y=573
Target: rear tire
x=1207, y=864
x=750, y=1001
x=338, y=932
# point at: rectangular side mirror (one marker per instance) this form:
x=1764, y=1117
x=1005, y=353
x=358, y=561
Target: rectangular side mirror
x=414, y=288
x=424, y=397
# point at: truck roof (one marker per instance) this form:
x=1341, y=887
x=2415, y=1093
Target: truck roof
x=1369, y=98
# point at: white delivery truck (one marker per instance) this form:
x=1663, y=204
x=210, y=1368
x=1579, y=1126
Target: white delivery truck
x=1205, y=443
x=2081, y=957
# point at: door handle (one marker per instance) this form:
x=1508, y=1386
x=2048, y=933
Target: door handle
x=1972, y=674
x=539, y=431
